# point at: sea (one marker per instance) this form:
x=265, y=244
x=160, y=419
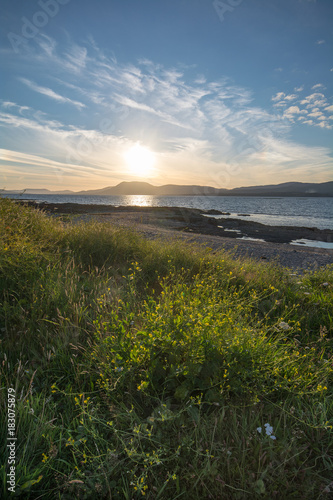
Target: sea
x=274, y=211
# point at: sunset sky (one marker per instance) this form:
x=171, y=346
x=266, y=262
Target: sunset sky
x=226, y=93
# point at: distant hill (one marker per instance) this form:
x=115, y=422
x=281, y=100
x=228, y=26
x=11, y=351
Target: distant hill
x=129, y=188
x=190, y=190
x=144, y=188
x=285, y=189
x=34, y=191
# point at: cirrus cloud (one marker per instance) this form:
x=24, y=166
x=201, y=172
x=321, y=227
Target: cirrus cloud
x=206, y=130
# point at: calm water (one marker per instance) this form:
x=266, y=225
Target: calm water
x=308, y=212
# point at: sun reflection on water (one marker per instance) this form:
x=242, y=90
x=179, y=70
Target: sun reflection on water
x=139, y=200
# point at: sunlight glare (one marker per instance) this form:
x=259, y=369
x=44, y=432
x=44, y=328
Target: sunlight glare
x=140, y=160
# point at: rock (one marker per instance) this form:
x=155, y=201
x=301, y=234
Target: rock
x=213, y=212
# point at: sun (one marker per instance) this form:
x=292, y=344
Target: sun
x=140, y=160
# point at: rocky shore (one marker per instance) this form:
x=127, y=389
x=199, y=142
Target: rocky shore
x=197, y=221
x=209, y=228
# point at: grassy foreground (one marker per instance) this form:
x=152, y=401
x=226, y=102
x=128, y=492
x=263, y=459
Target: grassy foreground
x=146, y=369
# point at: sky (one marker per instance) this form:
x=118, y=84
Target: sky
x=218, y=93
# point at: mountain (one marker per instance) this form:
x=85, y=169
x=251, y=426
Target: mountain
x=285, y=189
x=34, y=191
x=144, y=188
x=174, y=190
x=124, y=188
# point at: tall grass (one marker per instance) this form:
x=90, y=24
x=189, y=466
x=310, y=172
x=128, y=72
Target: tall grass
x=149, y=369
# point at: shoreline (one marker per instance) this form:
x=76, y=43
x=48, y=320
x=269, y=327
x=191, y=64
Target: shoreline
x=195, y=226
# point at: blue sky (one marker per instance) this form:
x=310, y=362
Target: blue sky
x=222, y=93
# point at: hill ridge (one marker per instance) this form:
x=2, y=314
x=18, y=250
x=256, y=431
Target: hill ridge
x=145, y=188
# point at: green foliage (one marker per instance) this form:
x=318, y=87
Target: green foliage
x=145, y=369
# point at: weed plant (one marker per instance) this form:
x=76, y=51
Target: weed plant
x=153, y=369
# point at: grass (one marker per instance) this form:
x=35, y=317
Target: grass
x=145, y=369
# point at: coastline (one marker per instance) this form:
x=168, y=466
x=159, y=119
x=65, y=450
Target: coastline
x=200, y=227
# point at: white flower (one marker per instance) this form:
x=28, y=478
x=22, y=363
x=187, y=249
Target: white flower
x=269, y=431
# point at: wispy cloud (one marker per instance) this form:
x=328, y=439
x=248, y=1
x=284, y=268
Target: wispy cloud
x=12, y=105
x=50, y=93
x=290, y=155
x=130, y=103
x=77, y=57
x=318, y=86
x=196, y=127
x=9, y=156
x=31, y=170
